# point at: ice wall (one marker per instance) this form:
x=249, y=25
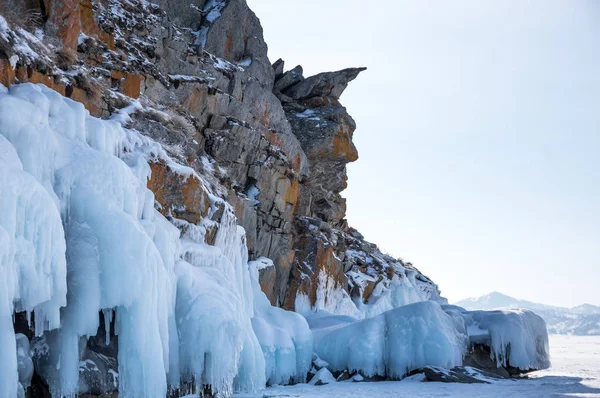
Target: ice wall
x=79, y=234
x=32, y=244
x=426, y=333
x=517, y=338
x=284, y=336
x=391, y=344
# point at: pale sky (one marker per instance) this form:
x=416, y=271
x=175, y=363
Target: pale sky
x=478, y=134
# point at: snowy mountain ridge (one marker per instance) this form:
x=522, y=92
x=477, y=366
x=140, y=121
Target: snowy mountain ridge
x=579, y=320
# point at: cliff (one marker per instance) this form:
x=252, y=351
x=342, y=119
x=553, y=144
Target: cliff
x=275, y=144
x=228, y=138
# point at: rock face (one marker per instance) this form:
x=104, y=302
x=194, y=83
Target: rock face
x=459, y=374
x=324, y=130
x=274, y=143
x=195, y=76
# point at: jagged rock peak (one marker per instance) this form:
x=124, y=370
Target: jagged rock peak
x=326, y=84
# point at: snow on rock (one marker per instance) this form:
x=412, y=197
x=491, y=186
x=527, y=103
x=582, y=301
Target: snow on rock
x=318, y=362
x=391, y=344
x=284, y=336
x=24, y=362
x=212, y=9
x=406, y=285
x=323, y=376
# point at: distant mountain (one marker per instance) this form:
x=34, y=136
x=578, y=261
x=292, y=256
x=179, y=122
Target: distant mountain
x=582, y=320
x=586, y=309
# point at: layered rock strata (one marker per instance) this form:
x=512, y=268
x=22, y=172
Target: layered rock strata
x=195, y=77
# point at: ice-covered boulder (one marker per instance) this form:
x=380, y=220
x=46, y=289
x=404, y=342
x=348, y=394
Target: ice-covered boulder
x=422, y=334
x=24, y=362
x=322, y=377
x=391, y=344
x=517, y=339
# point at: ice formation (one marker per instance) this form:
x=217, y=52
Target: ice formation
x=284, y=336
x=75, y=212
x=214, y=311
x=32, y=243
x=403, y=288
x=79, y=235
x=426, y=333
x=390, y=344
x=516, y=338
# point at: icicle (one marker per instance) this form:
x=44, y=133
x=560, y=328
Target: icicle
x=108, y=316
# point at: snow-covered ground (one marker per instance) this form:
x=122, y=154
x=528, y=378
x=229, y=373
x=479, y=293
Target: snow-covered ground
x=575, y=372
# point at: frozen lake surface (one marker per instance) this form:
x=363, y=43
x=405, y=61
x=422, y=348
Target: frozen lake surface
x=575, y=372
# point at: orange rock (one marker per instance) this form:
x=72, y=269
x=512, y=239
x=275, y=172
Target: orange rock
x=264, y=114
x=228, y=43
x=182, y=196
x=22, y=74
x=7, y=73
x=131, y=85
x=340, y=146
x=93, y=105
x=314, y=266
x=274, y=138
x=86, y=15
x=343, y=146
x=326, y=262
x=292, y=193
x=64, y=14
x=48, y=81
x=117, y=74
x=90, y=27
x=195, y=100
x=288, y=192
x=369, y=288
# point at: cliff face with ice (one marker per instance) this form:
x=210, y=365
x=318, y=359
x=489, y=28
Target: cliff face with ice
x=171, y=202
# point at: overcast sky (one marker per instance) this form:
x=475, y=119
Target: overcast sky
x=478, y=134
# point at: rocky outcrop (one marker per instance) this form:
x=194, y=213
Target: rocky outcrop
x=324, y=130
x=179, y=196
x=195, y=77
x=459, y=374
x=274, y=144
